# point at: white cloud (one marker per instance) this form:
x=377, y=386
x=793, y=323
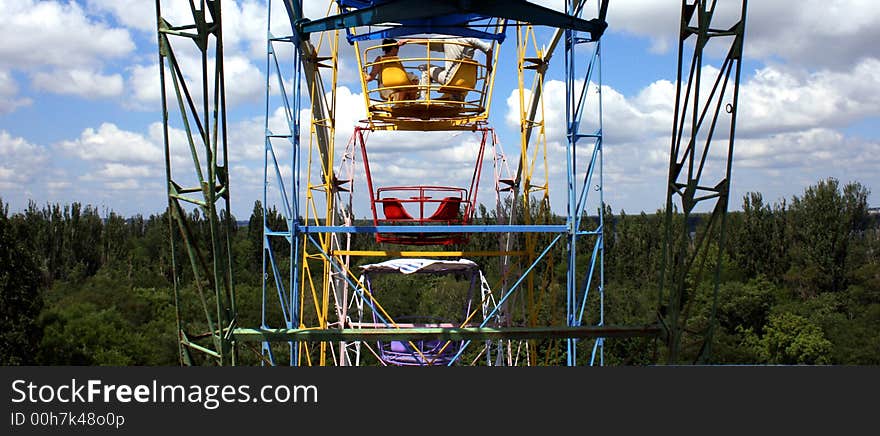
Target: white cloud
x=779, y=99
x=143, y=83
x=775, y=100
x=244, y=21
x=132, y=13
x=179, y=147
x=21, y=163
x=812, y=33
x=246, y=140
x=113, y=170
x=7, y=84
x=36, y=33
x=780, y=166
x=821, y=78
x=244, y=28
x=62, y=48
x=111, y=144
x=244, y=81
x=317, y=8
x=60, y=185
x=122, y=168
x=658, y=21
x=646, y=115
x=123, y=185
x=9, y=100
x=350, y=109
x=84, y=83
x=809, y=149
x=789, y=120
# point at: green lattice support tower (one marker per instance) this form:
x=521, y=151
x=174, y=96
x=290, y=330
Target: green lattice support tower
x=703, y=111
x=205, y=306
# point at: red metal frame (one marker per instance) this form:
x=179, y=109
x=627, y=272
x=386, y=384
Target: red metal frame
x=448, y=199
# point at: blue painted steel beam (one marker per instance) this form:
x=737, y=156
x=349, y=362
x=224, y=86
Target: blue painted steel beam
x=575, y=105
x=436, y=229
x=507, y=295
x=394, y=32
x=294, y=11
x=409, y=10
x=465, y=25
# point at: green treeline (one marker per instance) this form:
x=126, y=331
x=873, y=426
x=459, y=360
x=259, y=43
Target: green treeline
x=800, y=282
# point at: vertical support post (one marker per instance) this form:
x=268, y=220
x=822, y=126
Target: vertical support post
x=581, y=91
x=281, y=243
x=533, y=160
x=205, y=236
x=694, y=180
x=303, y=296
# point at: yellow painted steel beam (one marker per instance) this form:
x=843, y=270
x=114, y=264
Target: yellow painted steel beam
x=533, y=162
x=465, y=124
x=315, y=281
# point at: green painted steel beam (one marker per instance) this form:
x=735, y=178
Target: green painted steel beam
x=447, y=333
x=695, y=122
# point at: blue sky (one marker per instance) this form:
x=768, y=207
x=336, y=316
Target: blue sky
x=79, y=107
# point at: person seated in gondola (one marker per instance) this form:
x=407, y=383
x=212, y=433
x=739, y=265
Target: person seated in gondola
x=455, y=50
x=389, y=72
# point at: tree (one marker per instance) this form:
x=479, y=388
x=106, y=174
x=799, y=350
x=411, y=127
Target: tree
x=758, y=240
x=791, y=339
x=20, y=300
x=746, y=305
x=824, y=222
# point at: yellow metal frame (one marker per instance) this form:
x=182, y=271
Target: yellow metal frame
x=319, y=279
x=534, y=169
x=320, y=185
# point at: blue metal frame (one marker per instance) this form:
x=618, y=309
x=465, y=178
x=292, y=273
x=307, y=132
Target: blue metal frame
x=288, y=297
x=404, y=31
x=576, y=301
x=452, y=24
x=572, y=230
x=449, y=16
x=435, y=229
x=507, y=294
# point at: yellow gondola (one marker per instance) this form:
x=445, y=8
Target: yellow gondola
x=398, y=102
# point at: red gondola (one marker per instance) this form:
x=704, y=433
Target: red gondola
x=420, y=205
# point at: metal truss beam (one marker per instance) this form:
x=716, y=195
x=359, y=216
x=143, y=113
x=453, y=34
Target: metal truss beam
x=581, y=181
x=318, y=184
x=202, y=113
x=403, y=10
x=451, y=333
x=493, y=228
x=697, y=121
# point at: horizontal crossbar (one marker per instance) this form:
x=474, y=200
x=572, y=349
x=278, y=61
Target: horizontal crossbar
x=436, y=229
x=397, y=253
x=454, y=333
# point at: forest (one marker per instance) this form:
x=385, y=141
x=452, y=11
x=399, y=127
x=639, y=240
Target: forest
x=800, y=282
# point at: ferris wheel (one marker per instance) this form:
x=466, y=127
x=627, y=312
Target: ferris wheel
x=433, y=69
x=470, y=290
